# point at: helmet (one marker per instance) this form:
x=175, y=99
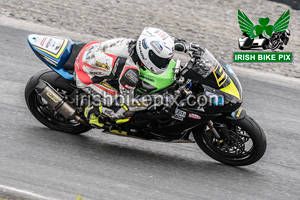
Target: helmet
x=155, y=49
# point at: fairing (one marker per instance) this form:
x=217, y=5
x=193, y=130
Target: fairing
x=53, y=51
x=215, y=77
x=150, y=83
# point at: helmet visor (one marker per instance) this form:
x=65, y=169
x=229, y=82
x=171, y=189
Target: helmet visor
x=158, y=61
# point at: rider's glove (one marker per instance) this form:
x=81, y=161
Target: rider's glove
x=192, y=48
x=180, y=45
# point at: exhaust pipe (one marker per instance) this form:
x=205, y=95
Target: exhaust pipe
x=55, y=100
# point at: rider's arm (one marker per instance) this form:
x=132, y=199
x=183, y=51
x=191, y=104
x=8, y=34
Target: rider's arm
x=128, y=78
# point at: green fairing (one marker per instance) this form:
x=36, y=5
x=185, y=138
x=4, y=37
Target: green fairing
x=159, y=81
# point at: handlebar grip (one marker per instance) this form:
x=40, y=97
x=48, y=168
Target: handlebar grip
x=194, y=46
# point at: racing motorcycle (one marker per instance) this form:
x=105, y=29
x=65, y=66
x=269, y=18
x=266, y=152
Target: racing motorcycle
x=203, y=104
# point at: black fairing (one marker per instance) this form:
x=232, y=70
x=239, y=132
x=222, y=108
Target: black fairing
x=164, y=125
x=234, y=79
x=209, y=84
x=145, y=87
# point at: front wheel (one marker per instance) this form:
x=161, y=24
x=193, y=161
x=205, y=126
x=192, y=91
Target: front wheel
x=245, y=146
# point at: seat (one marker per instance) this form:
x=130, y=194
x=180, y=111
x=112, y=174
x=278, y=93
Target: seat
x=69, y=65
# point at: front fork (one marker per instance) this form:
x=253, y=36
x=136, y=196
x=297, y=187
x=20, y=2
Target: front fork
x=238, y=114
x=223, y=128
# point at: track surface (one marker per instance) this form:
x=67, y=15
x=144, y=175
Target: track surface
x=101, y=166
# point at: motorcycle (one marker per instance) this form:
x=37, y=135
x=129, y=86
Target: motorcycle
x=202, y=105
x=276, y=41
x=246, y=43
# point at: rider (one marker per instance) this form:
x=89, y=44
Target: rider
x=120, y=59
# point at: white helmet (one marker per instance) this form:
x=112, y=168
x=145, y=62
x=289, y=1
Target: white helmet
x=155, y=49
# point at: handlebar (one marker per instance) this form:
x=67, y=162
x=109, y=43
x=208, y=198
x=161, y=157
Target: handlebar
x=195, y=50
x=194, y=46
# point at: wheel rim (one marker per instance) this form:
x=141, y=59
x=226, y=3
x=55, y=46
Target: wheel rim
x=240, y=147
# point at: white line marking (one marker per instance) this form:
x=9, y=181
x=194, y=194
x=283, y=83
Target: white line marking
x=21, y=193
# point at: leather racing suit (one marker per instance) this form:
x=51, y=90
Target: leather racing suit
x=110, y=60
x=113, y=59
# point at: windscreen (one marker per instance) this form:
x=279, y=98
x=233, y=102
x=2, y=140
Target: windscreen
x=211, y=69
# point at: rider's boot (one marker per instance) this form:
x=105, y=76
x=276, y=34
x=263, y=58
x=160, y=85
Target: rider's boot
x=94, y=120
x=96, y=114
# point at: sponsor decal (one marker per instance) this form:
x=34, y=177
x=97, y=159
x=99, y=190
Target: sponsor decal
x=98, y=64
x=144, y=43
x=43, y=41
x=36, y=39
x=107, y=86
x=212, y=68
x=49, y=60
x=52, y=97
x=147, y=78
x=52, y=51
x=238, y=112
x=96, y=73
x=219, y=101
x=229, y=69
x=194, y=116
x=263, y=36
x=156, y=45
x=177, y=118
x=180, y=113
x=163, y=35
x=52, y=44
x=220, y=75
x=58, y=44
x=138, y=104
x=140, y=47
x=48, y=43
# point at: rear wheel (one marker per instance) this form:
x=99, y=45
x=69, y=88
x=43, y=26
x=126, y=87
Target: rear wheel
x=43, y=112
x=247, y=143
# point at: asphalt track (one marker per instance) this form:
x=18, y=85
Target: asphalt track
x=100, y=166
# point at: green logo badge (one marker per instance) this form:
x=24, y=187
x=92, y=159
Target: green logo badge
x=263, y=36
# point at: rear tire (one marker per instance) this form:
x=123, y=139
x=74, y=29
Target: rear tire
x=44, y=113
x=247, y=125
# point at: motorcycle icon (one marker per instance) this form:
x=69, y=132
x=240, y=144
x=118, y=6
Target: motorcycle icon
x=276, y=41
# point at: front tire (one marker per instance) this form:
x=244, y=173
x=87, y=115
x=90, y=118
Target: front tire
x=235, y=153
x=44, y=112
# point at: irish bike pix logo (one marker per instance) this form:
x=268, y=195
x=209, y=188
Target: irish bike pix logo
x=263, y=42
